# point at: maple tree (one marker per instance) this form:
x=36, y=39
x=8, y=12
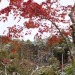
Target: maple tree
x=49, y=11
x=34, y=11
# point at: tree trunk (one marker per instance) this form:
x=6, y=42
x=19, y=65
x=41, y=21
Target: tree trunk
x=72, y=26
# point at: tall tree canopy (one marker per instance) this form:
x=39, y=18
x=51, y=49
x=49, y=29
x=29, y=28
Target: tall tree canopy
x=47, y=17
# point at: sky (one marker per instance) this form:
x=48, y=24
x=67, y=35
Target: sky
x=11, y=21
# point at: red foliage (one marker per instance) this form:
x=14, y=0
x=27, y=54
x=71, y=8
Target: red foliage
x=13, y=51
x=14, y=31
x=16, y=3
x=66, y=33
x=43, y=30
x=31, y=24
x=6, y=10
x=54, y=39
x=6, y=39
x=31, y=9
x=15, y=46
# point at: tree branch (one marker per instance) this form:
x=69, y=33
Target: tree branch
x=63, y=38
x=71, y=14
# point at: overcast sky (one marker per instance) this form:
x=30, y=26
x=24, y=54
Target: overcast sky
x=11, y=21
